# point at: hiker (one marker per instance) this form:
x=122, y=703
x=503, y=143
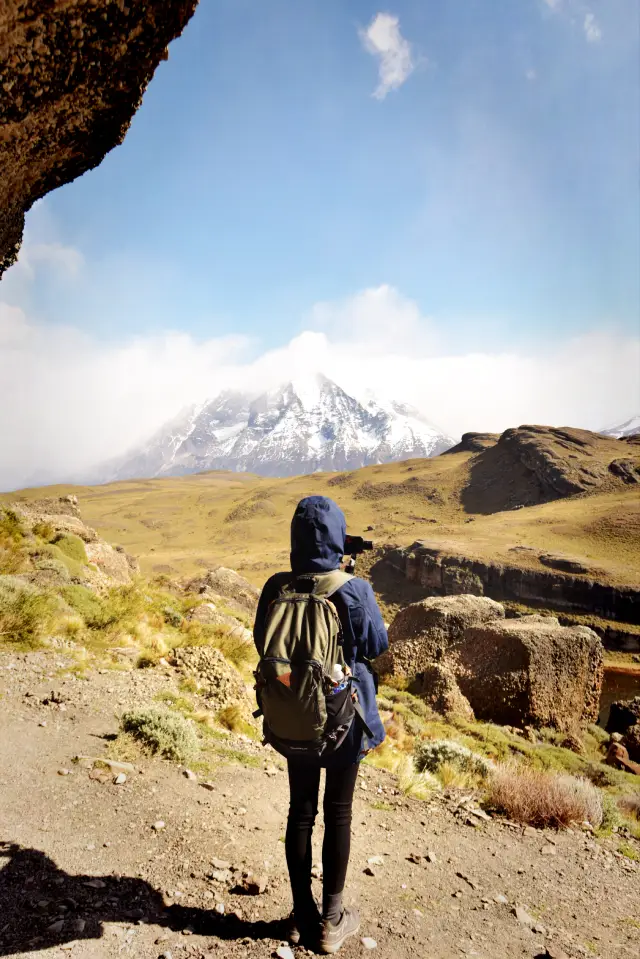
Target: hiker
x=296, y=708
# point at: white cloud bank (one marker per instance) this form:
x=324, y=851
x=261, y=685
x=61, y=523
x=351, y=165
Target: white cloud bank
x=383, y=40
x=69, y=401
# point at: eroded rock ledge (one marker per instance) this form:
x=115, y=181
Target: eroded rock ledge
x=72, y=73
x=444, y=574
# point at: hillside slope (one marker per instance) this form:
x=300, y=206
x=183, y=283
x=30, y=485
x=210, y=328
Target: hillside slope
x=462, y=500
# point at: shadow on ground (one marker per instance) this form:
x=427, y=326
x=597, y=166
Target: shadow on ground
x=43, y=906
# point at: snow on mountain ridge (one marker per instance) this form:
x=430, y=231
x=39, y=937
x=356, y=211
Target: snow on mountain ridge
x=629, y=428
x=300, y=427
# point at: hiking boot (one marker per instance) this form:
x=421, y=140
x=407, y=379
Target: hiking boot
x=306, y=929
x=333, y=937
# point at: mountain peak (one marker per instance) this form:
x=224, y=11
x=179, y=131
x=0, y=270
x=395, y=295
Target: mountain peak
x=306, y=425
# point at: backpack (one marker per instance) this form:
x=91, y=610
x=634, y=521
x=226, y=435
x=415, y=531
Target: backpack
x=305, y=715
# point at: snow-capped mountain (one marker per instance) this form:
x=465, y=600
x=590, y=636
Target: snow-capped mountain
x=298, y=428
x=629, y=428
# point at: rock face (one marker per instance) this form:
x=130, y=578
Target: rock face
x=624, y=719
x=518, y=672
x=428, y=565
x=209, y=615
x=631, y=742
x=109, y=565
x=234, y=589
x=475, y=442
x=72, y=74
x=426, y=632
x=536, y=464
x=623, y=714
x=437, y=686
x=532, y=672
x=220, y=682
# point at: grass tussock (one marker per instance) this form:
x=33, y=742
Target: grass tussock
x=630, y=806
x=26, y=616
x=162, y=732
x=544, y=799
x=233, y=718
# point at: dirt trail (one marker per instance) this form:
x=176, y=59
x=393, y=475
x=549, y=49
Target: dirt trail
x=82, y=860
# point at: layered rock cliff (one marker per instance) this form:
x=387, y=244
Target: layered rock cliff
x=443, y=574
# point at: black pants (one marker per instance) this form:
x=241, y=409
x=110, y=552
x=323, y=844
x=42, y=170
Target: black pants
x=304, y=785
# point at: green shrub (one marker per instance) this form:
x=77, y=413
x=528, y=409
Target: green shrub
x=612, y=817
x=11, y=530
x=72, y=546
x=172, y=617
x=89, y=605
x=25, y=614
x=12, y=556
x=163, y=732
x=430, y=755
x=53, y=565
x=44, y=530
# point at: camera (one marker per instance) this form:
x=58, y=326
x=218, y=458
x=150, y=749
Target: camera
x=354, y=545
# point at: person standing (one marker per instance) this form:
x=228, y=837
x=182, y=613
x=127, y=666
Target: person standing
x=318, y=531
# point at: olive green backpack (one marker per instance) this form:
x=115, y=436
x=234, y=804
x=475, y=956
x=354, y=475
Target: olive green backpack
x=304, y=715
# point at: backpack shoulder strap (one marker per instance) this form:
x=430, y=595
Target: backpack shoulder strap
x=329, y=583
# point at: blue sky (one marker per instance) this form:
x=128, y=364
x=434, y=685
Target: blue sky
x=489, y=185
x=497, y=186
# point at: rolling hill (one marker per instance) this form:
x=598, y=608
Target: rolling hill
x=566, y=491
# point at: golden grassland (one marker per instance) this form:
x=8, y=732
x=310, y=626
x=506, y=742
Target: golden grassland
x=178, y=525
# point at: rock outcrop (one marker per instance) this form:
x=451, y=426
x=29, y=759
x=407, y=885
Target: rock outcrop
x=536, y=464
x=226, y=585
x=426, y=632
x=474, y=443
x=519, y=672
x=532, y=672
x=58, y=521
x=623, y=714
x=624, y=720
x=217, y=679
x=439, y=573
x=437, y=686
x=72, y=74
x=209, y=615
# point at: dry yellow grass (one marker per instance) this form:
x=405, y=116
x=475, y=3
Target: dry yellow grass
x=181, y=524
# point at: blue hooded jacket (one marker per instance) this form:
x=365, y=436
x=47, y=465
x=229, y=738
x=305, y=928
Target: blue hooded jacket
x=318, y=531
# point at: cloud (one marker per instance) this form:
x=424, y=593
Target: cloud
x=69, y=401
x=531, y=75
x=382, y=39
x=592, y=30
x=575, y=11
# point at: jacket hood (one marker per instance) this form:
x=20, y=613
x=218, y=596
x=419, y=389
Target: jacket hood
x=318, y=529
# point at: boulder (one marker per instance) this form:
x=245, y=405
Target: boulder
x=623, y=714
x=618, y=757
x=233, y=588
x=631, y=742
x=209, y=615
x=438, y=687
x=424, y=632
x=220, y=682
x=531, y=671
x=462, y=655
